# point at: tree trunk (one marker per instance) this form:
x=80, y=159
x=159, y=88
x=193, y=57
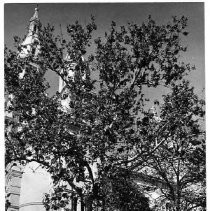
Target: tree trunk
x=82, y=204
x=103, y=205
x=178, y=208
x=74, y=204
x=178, y=191
x=89, y=203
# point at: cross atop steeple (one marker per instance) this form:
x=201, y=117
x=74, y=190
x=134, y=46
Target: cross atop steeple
x=36, y=14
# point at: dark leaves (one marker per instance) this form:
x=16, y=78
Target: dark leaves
x=105, y=130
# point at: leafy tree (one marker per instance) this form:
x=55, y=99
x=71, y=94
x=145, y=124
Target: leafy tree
x=104, y=127
x=180, y=160
x=123, y=193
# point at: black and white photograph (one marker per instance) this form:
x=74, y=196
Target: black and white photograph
x=104, y=106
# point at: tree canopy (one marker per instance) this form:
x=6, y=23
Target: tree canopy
x=105, y=136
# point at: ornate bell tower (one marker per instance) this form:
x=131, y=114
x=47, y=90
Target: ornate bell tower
x=30, y=45
x=26, y=185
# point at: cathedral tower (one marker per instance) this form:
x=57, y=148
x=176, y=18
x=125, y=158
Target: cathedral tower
x=30, y=45
x=26, y=185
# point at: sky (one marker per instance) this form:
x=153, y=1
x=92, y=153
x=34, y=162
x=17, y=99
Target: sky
x=17, y=16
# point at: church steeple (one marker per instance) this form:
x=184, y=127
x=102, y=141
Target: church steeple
x=29, y=45
x=35, y=16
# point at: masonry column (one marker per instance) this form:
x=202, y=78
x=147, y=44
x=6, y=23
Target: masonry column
x=13, y=185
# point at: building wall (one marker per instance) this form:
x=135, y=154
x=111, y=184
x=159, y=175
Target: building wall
x=13, y=185
x=35, y=183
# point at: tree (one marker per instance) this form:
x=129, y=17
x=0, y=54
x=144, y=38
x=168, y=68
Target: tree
x=105, y=127
x=180, y=160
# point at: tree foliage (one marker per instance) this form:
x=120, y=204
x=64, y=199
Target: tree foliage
x=180, y=160
x=105, y=127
